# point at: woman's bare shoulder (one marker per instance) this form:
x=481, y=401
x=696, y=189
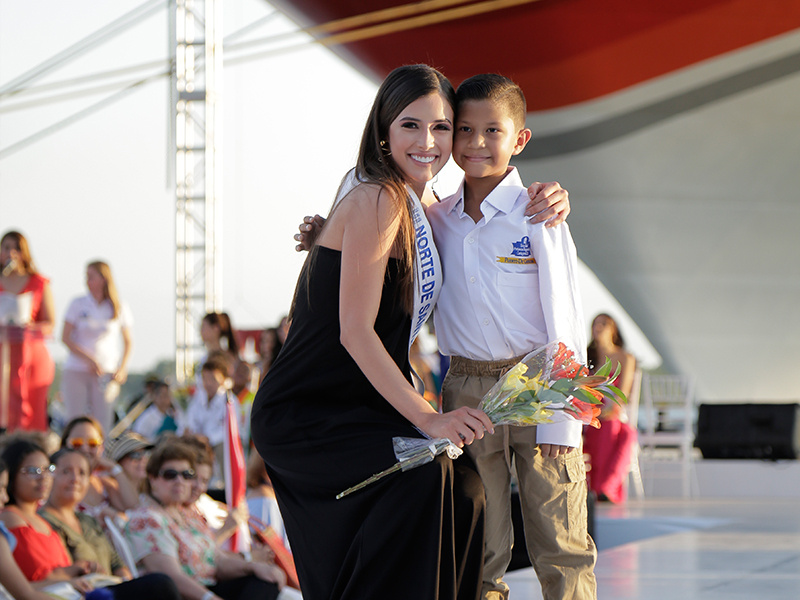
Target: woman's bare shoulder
x=11, y=519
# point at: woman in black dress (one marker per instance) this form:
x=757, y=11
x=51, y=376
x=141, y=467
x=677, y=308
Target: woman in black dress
x=340, y=390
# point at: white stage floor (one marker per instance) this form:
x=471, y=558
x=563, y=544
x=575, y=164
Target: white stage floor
x=702, y=548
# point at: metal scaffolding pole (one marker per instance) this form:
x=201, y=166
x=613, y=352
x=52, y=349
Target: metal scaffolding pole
x=196, y=122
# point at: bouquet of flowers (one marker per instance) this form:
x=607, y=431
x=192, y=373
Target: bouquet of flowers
x=547, y=386
x=550, y=385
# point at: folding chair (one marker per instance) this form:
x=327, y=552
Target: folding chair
x=669, y=407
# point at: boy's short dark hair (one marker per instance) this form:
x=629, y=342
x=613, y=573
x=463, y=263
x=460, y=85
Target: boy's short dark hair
x=218, y=363
x=499, y=89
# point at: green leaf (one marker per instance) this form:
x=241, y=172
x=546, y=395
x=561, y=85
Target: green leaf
x=605, y=370
x=616, y=393
x=585, y=396
x=553, y=396
x=563, y=385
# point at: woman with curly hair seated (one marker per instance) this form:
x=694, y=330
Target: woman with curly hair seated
x=165, y=537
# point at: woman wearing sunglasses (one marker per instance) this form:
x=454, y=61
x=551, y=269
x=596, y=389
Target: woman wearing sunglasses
x=165, y=538
x=131, y=451
x=83, y=536
x=110, y=491
x=40, y=552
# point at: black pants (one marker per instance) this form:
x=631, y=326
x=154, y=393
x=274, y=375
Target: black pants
x=248, y=587
x=154, y=586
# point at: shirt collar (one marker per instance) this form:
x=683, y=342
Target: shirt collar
x=501, y=199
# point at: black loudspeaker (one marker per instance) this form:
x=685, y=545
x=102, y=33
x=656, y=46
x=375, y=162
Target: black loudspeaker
x=762, y=431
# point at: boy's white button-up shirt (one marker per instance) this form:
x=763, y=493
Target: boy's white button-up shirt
x=509, y=286
x=206, y=418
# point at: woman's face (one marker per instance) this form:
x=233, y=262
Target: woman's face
x=71, y=480
x=602, y=327
x=421, y=138
x=200, y=483
x=209, y=333
x=86, y=439
x=95, y=282
x=135, y=465
x=34, y=479
x=173, y=485
x=8, y=250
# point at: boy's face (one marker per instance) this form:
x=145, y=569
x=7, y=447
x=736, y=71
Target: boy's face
x=162, y=398
x=486, y=138
x=212, y=381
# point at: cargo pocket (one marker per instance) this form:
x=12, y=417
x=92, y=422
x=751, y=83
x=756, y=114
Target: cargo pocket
x=577, y=511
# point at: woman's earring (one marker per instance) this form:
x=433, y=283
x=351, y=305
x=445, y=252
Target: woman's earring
x=385, y=148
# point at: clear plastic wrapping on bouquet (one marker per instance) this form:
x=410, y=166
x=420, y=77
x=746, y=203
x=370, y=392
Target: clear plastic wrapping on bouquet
x=413, y=452
x=550, y=385
x=410, y=453
x=547, y=386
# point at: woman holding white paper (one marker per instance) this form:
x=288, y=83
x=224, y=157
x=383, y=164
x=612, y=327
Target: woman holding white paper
x=27, y=317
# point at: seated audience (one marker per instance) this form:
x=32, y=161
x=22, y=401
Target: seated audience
x=110, y=492
x=162, y=416
x=131, y=451
x=216, y=515
x=165, y=539
x=243, y=390
x=206, y=412
x=13, y=584
x=40, y=553
x=261, y=502
x=84, y=537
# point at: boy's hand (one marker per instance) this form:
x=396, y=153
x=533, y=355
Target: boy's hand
x=554, y=450
x=549, y=202
x=309, y=230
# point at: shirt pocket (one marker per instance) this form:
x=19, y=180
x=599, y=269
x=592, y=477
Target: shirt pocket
x=520, y=303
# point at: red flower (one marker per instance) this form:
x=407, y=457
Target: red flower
x=588, y=413
x=565, y=365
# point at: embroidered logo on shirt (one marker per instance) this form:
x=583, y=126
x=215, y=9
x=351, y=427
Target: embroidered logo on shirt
x=520, y=253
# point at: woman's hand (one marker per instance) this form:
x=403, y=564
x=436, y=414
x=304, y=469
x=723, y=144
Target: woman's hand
x=105, y=463
x=261, y=553
x=94, y=366
x=80, y=584
x=309, y=230
x=121, y=376
x=87, y=566
x=461, y=426
x=267, y=571
x=549, y=202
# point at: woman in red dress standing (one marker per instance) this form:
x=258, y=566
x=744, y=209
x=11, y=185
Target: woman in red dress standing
x=26, y=320
x=610, y=447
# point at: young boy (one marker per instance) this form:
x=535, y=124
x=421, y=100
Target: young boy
x=205, y=414
x=510, y=287
x=161, y=416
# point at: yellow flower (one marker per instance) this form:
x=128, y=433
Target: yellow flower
x=515, y=379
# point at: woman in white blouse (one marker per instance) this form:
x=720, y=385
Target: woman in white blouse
x=97, y=331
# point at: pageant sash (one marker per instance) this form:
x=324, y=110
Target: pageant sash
x=427, y=269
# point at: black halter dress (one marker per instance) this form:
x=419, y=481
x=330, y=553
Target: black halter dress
x=321, y=427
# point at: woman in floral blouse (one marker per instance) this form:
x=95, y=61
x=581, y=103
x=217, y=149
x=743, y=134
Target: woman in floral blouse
x=164, y=538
